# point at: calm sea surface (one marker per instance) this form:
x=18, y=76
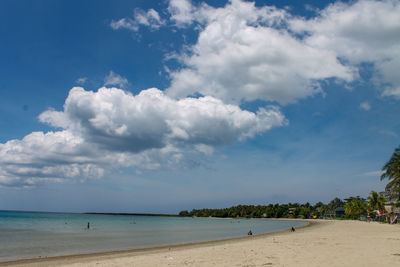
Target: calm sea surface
x=34, y=234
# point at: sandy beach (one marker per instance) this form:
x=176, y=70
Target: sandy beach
x=323, y=243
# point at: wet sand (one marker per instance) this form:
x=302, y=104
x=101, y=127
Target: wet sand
x=323, y=243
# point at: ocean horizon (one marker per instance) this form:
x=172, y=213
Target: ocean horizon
x=28, y=234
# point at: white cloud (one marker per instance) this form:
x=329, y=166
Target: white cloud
x=207, y=150
x=182, y=12
x=111, y=128
x=242, y=53
x=389, y=70
x=365, y=106
x=81, y=80
x=151, y=19
x=39, y=157
x=361, y=32
x=125, y=23
x=245, y=53
x=120, y=121
x=115, y=79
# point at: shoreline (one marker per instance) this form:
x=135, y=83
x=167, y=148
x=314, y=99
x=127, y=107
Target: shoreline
x=67, y=259
x=344, y=243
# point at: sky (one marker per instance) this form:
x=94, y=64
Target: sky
x=162, y=106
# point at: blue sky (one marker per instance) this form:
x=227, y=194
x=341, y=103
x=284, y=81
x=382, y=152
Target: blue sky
x=251, y=103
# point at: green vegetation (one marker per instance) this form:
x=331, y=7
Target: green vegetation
x=290, y=210
x=354, y=207
x=391, y=170
x=376, y=201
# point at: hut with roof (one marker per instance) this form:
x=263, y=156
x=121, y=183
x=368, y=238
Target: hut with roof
x=338, y=212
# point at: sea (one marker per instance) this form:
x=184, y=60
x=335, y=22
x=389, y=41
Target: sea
x=25, y=235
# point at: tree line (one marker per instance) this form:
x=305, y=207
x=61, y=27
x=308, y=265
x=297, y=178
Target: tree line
x=354, y=207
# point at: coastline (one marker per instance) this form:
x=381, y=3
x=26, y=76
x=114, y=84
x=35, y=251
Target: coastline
x=47, y=261
x=320, y=243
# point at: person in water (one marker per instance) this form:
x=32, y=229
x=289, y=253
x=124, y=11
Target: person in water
x=250, y=233
x=88, y=225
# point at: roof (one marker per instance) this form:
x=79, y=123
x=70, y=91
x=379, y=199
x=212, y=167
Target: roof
x=340, y=209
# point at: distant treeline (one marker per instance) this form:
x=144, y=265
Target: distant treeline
x=290, y=210
x=129, y=214
x=352, y=207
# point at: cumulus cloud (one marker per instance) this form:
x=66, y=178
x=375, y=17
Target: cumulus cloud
x=365, y=106
x=121, y=121
x=151, y=18
x=111, y=127
x=40, y=157
x=245, y=53
x=115, y=79
x=182, y=12
x=362, y=32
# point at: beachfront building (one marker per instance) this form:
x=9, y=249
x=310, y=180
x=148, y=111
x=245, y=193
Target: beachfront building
x=336, y=213
x=339, y=212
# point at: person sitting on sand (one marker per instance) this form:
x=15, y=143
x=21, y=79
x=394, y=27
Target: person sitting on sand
x=250, y=233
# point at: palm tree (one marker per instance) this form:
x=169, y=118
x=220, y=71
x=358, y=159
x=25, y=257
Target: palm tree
x=376, y=201
x=335, y=203
x=355, y=207
x=391, y=170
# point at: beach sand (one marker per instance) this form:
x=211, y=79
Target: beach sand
x=323, y=243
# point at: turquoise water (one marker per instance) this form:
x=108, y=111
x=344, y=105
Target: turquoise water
x=34, y=234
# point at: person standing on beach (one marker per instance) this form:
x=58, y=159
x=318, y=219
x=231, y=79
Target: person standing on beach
x=88, y=225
